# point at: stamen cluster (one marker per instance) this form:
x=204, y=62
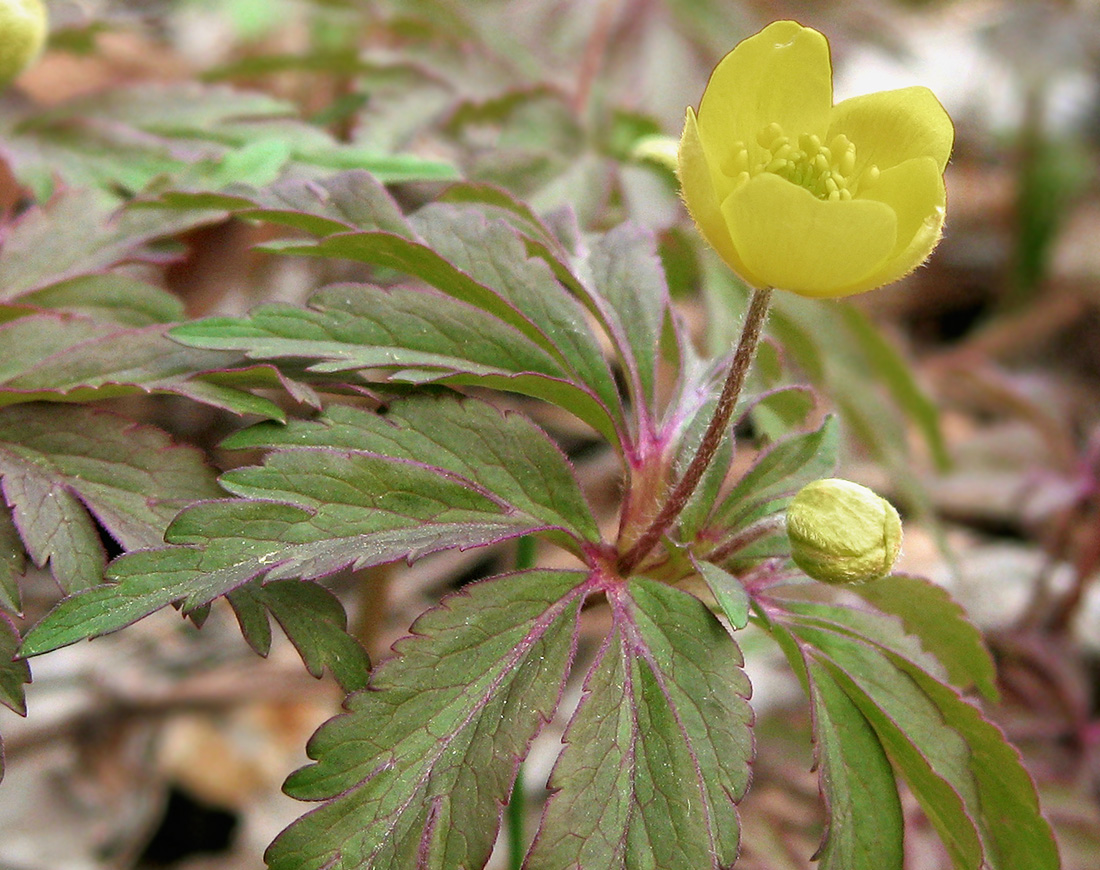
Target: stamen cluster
x=827, y=171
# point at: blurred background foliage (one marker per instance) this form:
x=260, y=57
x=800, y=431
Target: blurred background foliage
x=970, y=391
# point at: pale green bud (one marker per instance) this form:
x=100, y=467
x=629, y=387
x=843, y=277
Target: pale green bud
x=22, y=33
x=841, y=532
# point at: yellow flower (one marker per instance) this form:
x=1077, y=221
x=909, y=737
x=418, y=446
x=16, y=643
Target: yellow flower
x=798, y=194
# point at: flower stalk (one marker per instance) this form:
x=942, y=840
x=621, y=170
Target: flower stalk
x=712, y=438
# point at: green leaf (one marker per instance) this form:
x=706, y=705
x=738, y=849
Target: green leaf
x=1016, y=836
x=882, y=358
x=535, y=137
x=110, y=298
x=999, y=796
x=777, y=475
x=866, y=378
x=658, y=751
x=304, y=513
x=417, y=770
x=691, y=410
x=62, y=466
x=931, y=755
x=252, y=617
x=776, y=412
x=928, y=611
x=14, y=673
x=505, y=454
x=314, y=621
x=865, y=823
x=202, y=135
x=730, y=595
x=13, y=560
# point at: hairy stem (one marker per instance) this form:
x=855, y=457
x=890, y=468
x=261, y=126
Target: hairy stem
x=712, y=438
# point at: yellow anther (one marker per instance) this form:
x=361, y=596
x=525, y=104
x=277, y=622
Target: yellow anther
x=848, y=160
x=766, y=137
x=736, y=162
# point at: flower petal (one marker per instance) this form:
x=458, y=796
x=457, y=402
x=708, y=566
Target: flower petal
x=794, y=241
x=890, y=127
x=781, y=75
x=915, y=191
x=700, y=196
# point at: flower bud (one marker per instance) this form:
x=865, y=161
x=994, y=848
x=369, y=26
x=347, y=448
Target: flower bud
x=22, y=33
x=841, y=532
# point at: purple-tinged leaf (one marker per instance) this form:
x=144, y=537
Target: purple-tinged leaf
x=61, y=465
x=314, y=621
x=56, y=356
x=492, y=254
x=416, y=773
x=504, y=453
x=496, y=202
x=402, y=334
x=358, y=326
x=658, y=752
x=628, y=285
x=485, y=265
x=928, y=611
x=304, y=514
x=81, y=233
x=353, y=200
